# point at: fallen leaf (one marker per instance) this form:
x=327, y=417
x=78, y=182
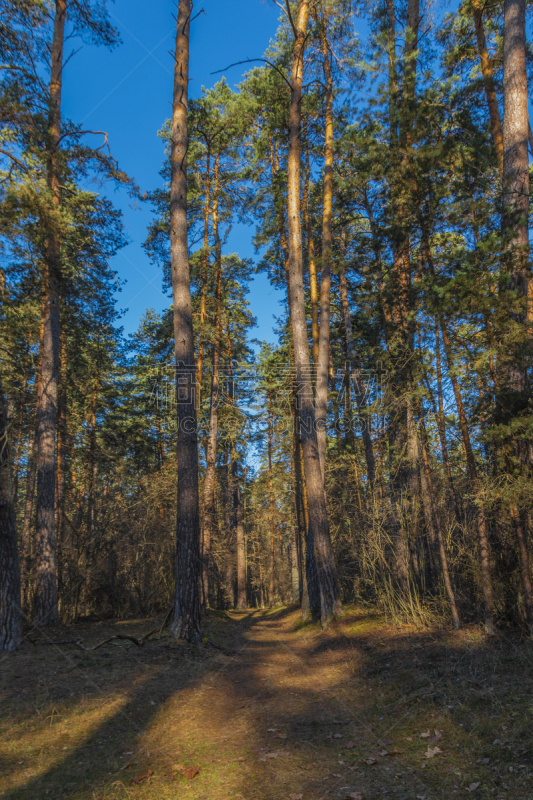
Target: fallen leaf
x=190, y=772
x=424, y=735
x=272, y=730
x=483, y=761
x=241, y=758
x=370, y=761
x=337, y=736
x=295, y=796
x=384, y=753
x=355, y=796
x=473, y=787
x=438, y=735
x=350, y=744
x=385, y=741
x=281, y=736
x=141, y=778
x=432, y=751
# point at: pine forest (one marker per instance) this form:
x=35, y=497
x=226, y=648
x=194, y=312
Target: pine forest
x=195, y=499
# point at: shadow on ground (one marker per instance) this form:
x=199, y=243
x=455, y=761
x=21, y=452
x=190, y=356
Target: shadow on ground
x=365, y=707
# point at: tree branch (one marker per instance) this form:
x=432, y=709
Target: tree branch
x=251, y=61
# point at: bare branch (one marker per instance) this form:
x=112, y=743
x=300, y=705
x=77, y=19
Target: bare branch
x=287, y=11
x=251, y=61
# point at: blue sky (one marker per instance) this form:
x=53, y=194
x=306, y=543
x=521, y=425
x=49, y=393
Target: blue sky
x=127, y=93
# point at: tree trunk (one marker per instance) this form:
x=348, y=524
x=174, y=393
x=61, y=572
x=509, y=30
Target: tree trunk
x=514, y=395
x=45, y=545
x=321, y=391
x=272, y=594
x=10, y=609
x=515, y=152
x=18, y=443
x=311, y=601
x=186, y=621
x=313, y=286
x=327, y=574
x=31, y=475
x=203, y=314
x=91, y=461
x=241, y=545
x=488, y=80
x=209, y=522
x=61, y=455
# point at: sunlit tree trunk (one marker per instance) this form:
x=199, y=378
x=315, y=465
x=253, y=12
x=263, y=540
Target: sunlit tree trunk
x=321, y=391
x=515, y=391
x=203, y=291
x=242, y=601
x=209, y=522
x=186, y=621
x=46, y=610
x=327, y=574
x=515, y=157
x=310, y=596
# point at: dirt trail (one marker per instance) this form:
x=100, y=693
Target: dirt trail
x=283, y=711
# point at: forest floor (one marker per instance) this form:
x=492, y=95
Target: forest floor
x=365, y=710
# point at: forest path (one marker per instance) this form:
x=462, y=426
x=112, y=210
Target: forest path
x=282, y=712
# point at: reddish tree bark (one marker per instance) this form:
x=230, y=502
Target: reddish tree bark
x=186, y=621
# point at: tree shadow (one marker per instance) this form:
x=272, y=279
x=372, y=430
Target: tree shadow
x=311, y=713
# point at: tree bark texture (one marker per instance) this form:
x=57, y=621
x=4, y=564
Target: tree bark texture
x=209, y=522
x=186, y=620
x=321, y=391
x=46, y=610
x=327, y=574
x=10, y=608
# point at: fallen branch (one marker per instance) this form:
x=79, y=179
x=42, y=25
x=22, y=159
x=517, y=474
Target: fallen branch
x=166, y=621
x=127, y=636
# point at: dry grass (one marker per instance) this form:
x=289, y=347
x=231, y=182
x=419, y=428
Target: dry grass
x=83, y=725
